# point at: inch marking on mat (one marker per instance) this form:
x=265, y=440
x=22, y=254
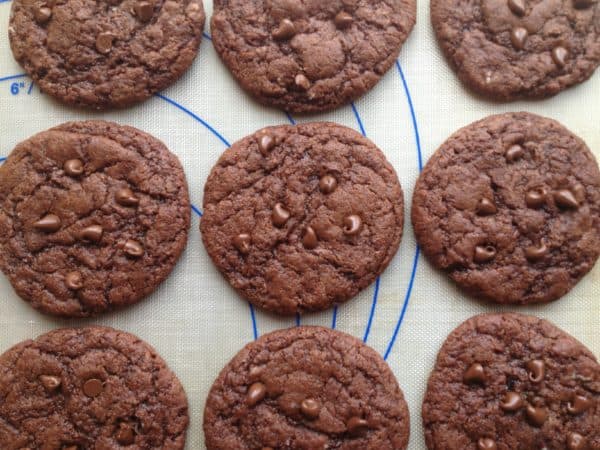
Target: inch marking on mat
x=197, y=211
x=417, y=251
x=13, y=77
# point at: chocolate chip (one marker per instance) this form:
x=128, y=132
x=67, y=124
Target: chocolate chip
x=310, y=239
x=125, y=435
x=352, y=225
x=280, y=215
x=285, y=30
x=511, y=402
x=256, y=393
x=474, y=374
x=514, y=153
x=565, y=199
x=535, y=198
x=144, y=11
x=74, y=281
x=579, y=404
x=302, y=82
x=536, y=416
x=534, y=253
x=104, y=43
x=266, y=143
x=517, y=7
x=583, y=4
x=126, y=197
x=486, y=444
x=73, y=167
x=343, y=20
x=310, y=408
x=93, y=387
x=575, y=441
x=92, y=233
x=133, y=249
x=70, y=447
x=242, y=243
x=559, y=56
x=484, y=253
x=50, y=382
x=518, y=37
x=48, y=224
x=357, y=425
x=486, y=207
x=42, y=14
x=327, y=184
x=537, y=370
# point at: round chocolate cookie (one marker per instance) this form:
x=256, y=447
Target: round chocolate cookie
x=512, y=49
x=313, y=55
x=509, y=207
x=299, y=218
x=308, y=388
x=105, y=53
x=76, y=389
x=512, y=382
x=93, y=216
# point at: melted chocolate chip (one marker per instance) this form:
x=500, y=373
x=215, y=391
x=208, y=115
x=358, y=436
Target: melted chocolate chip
x=310, y=408
x=484, y=254
x=242, y=243
x=583, y=4
x=144, y=11
x=310, y=239
x=352, y=225
x=536, y=416
x=92, y=233
x=74, y=281
x=50, y=382
x=42, y=14
x=579, y=404
x=266, y=143
x=474, y=374
x=256, y=393
x=133, y=249
x=285, y=30
x=486, y=207
x=486, y=444
x=518, y=37
x=536, y=370
x=576, y=441
x=514, y=153
x=517, y=7
x=327, y=184
x=536, y=198
x=73, y=167
x=343, y=20
x=559, y=56
x=93, y=387
x=125, y=435
x=280, y=215
x=104, y=43
x=565, y=199
x=302, y=82
x=126, y=197
x=511, y=401
x=48, y=224
x=357, y=425
x=536, y=253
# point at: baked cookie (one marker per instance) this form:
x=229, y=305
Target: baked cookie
x=509, y=207
x=313, y=55
x=105, y=53
x=75, y=389
x=93, y=216
x=509, y=381
x=514, y=49
x=306, y=388
x=299, y=218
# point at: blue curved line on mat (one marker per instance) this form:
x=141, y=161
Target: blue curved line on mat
x=290, y=118
x=334, y=318
x=4, y=1
x=253, y=316
x=417, y=251
x=358, y=119
x=2, y=160
x=204, y=33
x=297, y=319
x=13, y=77
x=197, y=211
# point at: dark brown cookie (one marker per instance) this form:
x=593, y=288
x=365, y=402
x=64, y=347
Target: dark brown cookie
x=511, y=49
x=509, y=381
x=105, y=53
x=313, y=55
x=75, y=389
x=93, y=216
x=307, y=388
x=509, y=207
x=299, y=218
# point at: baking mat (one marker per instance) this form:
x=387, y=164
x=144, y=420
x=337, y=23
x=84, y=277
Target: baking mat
x=195, y=320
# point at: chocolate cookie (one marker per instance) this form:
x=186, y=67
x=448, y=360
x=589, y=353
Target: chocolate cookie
x=512, y=49
x=93, y=216
x=509, y=381
x=75, y=389
x=509, y=207
x=105, y=53
x=306, y=388
x=313, y=55
x=299, y=218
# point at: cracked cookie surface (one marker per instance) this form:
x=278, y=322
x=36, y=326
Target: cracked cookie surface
x=94, y=387
x=306, y=388
x=509, y=207
x=93, y=216
x=513, y=49
x=298, y=218
x=510, y=381
x=105, y=53
x=311, y=55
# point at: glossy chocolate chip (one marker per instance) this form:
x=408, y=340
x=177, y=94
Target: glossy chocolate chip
x=74, y=281
x=536, y=416
x=559, y=56
x=474, y=374
x=486, y=207
x=327, y=184
x=565, y=199
x=518, y=37
x=310, y=408
x=511, y=401
x=302, y=82
x=242, y=243
x=579, y=404
x=126, y=197
x=484, y=254
x=42, y=14
x=536, y=253
x=514, y=153
x=280, y=215
x=73, y=167
x=104, y=43
x=352, y=225
x=144, y=11
x=50, y=382
x=133, y=249
x=536, y=370
x=343, y=20
x=576, y=441
x=583, y=4
x=93, y=387
x=357, y=425
x=266, y=143
x=486, y=444
x=517, y=7
x=310, y=239
x=256, y=393
x=92, y=233
x=536, y=198
x=48, y=224
x=125, y=435
x=285, y=30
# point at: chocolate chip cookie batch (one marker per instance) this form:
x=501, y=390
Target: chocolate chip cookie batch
x=94, y=216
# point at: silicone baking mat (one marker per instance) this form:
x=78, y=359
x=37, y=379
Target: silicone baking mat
x=195, y=320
